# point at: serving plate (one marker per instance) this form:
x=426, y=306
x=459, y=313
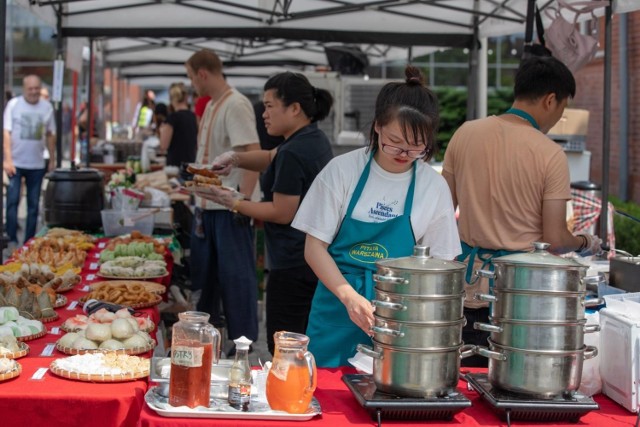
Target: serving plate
x=104, y=276
x=152, y=303
x=56, y=368
x=219, y=408
x=11, y=374
x=33, y=336
x=23, y=350
x=129, y=351
x=153, y=287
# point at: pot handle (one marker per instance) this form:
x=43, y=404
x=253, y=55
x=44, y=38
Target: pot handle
x=390, y=279
x=365, y=349
x=487, y=327
x=485, y=352
x=387, y=331
x=485, y=297
x=591, y=328
x=487, y=274
x=389, y=305
x=593, y=280
x=590, y=352
x=467, y=350
x=593, y=302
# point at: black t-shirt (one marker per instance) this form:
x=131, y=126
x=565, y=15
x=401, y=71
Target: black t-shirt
x=296, y=164
x=184, y=141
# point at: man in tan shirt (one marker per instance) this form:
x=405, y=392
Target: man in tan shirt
x=511, y=182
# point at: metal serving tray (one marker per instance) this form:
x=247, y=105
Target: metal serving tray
x=219, y=408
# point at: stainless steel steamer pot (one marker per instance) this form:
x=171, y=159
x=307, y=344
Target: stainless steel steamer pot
x=418, y=308
x=538, y=270
x=420, y=274
x=538, y=306
x=539, y=374
x=416, y=372
x=424, y=335
x=534, y=335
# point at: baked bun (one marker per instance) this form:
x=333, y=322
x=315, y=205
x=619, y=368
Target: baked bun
x=202, y=177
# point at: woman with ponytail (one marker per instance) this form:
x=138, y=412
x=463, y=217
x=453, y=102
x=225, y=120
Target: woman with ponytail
x=292, y=108
x=372, y=203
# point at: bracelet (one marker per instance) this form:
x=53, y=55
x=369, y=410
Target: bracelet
x=584, y=244
x=234, y=208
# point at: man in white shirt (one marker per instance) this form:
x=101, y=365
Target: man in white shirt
x=29, y=126
x=222, y=250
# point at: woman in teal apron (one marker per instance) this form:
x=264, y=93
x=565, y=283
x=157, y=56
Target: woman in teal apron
x=355, y=250
x=355, y=217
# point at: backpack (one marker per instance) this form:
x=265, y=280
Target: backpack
x=564, y=38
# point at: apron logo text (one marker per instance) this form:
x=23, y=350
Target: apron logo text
x=368, y=252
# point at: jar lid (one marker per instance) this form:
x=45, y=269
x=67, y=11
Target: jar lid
x=420, y=261
x=242, y=343
x=538, y=257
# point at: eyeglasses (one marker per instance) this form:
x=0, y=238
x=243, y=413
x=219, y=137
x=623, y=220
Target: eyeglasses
x=396, y=151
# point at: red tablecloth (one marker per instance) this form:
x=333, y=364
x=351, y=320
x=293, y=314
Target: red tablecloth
x=53, y=401
x=340, y=408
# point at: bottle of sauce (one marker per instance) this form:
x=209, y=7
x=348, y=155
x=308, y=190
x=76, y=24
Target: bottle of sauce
x=195, y=345
x=240, y=376
x=292, y=377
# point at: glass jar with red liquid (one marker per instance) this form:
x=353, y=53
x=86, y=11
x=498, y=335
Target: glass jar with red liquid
x=195, y=346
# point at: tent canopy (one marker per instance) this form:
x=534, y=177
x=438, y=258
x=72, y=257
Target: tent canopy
x=284, y=33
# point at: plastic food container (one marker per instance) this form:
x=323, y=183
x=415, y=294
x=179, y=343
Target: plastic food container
x=619, y=344
x=117, y=222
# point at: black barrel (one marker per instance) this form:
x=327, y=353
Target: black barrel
x=74, y=199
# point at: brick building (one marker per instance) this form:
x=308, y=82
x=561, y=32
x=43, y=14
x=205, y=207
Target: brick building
x=590, y=88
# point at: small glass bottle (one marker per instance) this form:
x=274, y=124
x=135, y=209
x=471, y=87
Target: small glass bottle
x=240, y=376
x=195, y=346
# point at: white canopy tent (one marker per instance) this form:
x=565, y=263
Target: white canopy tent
x=158, y=34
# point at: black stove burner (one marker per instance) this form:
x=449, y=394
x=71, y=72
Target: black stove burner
x=518, y=407
x=388, y=406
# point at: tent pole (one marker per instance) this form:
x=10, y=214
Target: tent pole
x=472, y=76
x=623, y=75
x=59, y=55
x=483, y=78
x=87, y=147
x=606, y=126
x=3, y=28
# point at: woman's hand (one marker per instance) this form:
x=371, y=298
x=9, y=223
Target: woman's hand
x=219, y=195
x=225, y=162
x=360, y=311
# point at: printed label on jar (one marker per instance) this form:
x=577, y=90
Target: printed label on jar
x=239, y=395
x=190, y=357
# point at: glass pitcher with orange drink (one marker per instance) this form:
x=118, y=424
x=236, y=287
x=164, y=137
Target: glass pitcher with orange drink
x=195, y=345
x=292, y=377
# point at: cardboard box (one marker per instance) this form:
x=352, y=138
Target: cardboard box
x=573, y=122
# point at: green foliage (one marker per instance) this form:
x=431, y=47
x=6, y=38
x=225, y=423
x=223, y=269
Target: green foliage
x=627, y=230
x=453, y=111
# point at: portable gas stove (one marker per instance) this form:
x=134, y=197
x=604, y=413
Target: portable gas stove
x=388, y=406
x=518, y=407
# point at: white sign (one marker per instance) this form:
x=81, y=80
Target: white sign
x=58, y=76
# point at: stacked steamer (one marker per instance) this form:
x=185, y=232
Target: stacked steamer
x=537, y=325
x=418, y=325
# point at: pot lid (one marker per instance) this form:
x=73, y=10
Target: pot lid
x=539, y=256
x=420, y=261
x=72, y=174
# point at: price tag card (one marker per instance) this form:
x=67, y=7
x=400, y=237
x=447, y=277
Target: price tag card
x=55, y=330
x=73, y=305
x=102, y=245
x=39, y=374
x=91, y=277
x=48, y=350
x=93, y=266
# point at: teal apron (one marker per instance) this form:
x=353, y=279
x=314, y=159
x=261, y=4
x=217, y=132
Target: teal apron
x=355, y=249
